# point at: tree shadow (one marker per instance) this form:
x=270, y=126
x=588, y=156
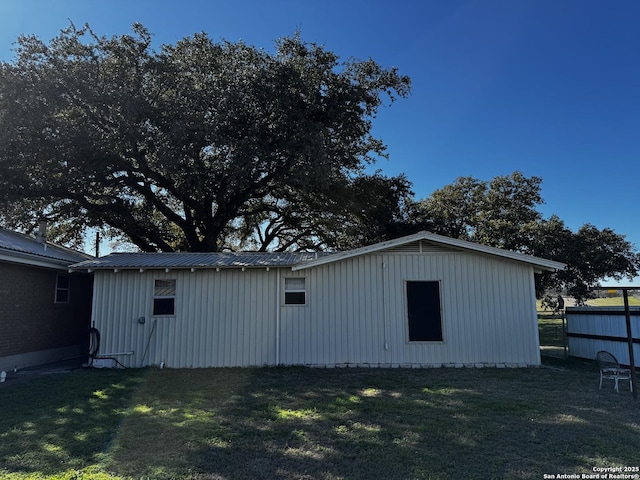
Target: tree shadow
x=58, y=422
x=306, y=423
x=311, y=423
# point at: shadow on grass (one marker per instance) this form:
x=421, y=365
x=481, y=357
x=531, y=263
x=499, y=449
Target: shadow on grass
x=306, y=423
x=59, y=422
x=302, y=423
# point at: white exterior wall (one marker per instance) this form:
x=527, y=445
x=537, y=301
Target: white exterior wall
x=356, y=314
x=356, y=306
x=225, y=318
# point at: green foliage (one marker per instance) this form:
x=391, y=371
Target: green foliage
x=205, y=146
x=363, y=210
x=495, y=212
x=591, y=255
x=176, y=148
x=503, y=213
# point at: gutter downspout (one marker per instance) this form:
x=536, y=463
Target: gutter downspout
x=277, y=316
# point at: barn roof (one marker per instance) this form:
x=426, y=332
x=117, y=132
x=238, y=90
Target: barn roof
x=19, y=248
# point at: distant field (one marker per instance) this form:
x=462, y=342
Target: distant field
x=596, y=302
x=612, y=302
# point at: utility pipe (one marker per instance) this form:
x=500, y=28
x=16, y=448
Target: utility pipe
x=146, y=349
x=385, y=313
x=277, y=316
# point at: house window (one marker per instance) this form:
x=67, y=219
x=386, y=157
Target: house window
x=294, y=291
x=62, y=289
x=424, y=311
x=164, y=297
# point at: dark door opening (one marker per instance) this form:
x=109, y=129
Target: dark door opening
x=423, y=308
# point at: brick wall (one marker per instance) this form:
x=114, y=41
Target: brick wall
x=30, y=320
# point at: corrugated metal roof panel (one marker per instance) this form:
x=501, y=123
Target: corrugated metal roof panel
x=20, y=243
x=199, y=260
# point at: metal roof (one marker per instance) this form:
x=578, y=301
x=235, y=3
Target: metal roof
x=296, y=260
x=542, y=263
x=29, y=250
x=199, y=260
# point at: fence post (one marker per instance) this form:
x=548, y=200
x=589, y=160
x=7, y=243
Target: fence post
x=632, y=363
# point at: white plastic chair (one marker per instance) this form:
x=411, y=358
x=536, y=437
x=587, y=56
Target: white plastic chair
x=610, y=370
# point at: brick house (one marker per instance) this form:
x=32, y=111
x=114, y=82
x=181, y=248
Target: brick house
x=44, y=310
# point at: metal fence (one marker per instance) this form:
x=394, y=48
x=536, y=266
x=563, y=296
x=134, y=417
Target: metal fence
x=591, y=329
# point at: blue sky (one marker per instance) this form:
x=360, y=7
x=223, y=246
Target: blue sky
x=547, y=87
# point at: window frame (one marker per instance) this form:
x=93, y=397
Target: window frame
x=60, y=289
x=164, y=298
x=288, y=292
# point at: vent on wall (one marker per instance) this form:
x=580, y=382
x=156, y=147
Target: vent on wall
x=422, y=246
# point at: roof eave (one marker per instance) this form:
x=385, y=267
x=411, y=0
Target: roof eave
x=23, y=258
x=81, y=266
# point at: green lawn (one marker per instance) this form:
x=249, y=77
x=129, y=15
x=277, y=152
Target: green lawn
x=551, y=332
x=295, y=423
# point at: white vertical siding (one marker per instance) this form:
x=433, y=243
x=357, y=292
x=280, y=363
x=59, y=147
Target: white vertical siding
x=488, y=312
x=354, y=307
x=224, y=318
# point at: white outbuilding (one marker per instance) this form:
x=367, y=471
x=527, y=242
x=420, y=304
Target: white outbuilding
x=420, y=300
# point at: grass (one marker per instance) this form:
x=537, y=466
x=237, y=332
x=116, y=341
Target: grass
x=551, y=333
x=61, y=422
x=613, y=302
x=296, y=423
x=550, y=328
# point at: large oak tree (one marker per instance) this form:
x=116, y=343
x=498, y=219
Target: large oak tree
x=196, y=146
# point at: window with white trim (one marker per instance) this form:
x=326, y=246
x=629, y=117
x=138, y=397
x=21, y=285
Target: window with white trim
x=164, y=297
x=295, y=292
x=63, y=287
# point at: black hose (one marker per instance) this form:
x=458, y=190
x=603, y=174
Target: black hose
x=115, y=360
x=94, y=344
x=94, y=347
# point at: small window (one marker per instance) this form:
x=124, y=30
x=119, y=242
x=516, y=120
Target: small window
x=294, y=291
x=62, y=289
x=164, y=297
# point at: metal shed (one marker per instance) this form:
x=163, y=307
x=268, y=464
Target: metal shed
x=420, y=300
